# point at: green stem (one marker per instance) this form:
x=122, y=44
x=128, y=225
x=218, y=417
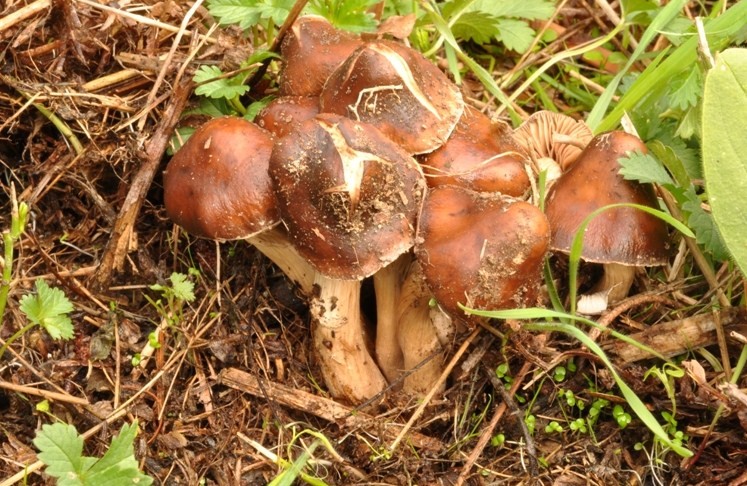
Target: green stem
x=7, y=273
x=15, y=336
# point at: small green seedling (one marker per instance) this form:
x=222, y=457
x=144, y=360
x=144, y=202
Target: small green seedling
x=553, y=427
x=49, y=309
x=61, y=449
x=176, y=295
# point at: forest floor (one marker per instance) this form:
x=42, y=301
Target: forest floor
x=90, y=96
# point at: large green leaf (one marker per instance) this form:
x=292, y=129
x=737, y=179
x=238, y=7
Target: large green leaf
x=724, y=147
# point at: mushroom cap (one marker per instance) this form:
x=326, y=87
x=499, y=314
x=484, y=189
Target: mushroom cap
x=481, y=155
x=348, y=195
x=283, y=114
x=312, y=49
x=216, y=185
x=398, y=91
x=538, y=136
x=482, y=250
x=626, y=236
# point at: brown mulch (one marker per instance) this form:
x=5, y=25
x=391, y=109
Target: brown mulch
x=234, y=381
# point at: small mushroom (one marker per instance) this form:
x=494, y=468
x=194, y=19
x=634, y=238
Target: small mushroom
x=349, y=197
x=283, y=114
x=553, y=140
x=482, y=250
x=217, y=186
x=480, y=155
x=621, y=238
x=311, y=50
x=398, y=91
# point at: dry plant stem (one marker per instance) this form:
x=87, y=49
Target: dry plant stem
x=388, y=288
x=23, y=13
x=118, y=245
x=349, y=370
x=324, y=408
x=50, y=395
x=436, y=386
x=676, y=337
x=276, y=246
x=490, y=428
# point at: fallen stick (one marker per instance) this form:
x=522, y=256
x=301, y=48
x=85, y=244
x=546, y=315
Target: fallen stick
x=323, y=408
x=677, y=337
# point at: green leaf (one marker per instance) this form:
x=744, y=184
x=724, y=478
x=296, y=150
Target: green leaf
x=183, y=288
x=212, y=87
x=352, y=15
x=118, y=465
x=644, y=168
x=49, y=309
x=724, y=147
x=248, y=13
x=515, y=34
x=524, y=9
x=686, y=89
x=702, y=224
x=61, y=450
x=479, y=27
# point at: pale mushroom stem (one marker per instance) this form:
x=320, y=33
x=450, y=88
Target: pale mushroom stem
x=349, y=370
x=616, y=281
x=421, y=331
x=388, y=287
x=276, y=246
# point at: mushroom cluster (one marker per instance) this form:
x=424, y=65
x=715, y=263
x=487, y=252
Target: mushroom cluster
x=369, y=165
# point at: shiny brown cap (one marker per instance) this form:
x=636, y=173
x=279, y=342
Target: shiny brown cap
x=480, y=155
x=311, y=50
x=397, y=90
x=348, y=195
x=283, y=114
x=482, y=250
x=217, y=186
x=626, y=236
x=553, y=135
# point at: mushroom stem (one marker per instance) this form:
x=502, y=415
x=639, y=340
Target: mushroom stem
x=616, y=281
x=388, y=288
x=421, y=331
x=276, y=246
x=348, y=368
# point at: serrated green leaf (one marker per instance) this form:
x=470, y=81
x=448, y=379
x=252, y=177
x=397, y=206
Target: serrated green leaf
x=674, y=165
x=61, y=449
x=516, y=35
x=118, y=465
x=644, y=168
x=724, y=147
x=49, y=309
x=523, y=9
x=182, y=287
x=686, y=89
x=702, y=224
x=688, y=156
x=351, y=15
x=244, y=13
x=212, y=87
x=479, y=27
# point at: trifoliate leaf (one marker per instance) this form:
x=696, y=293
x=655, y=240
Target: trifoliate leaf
x=207, y=77
x=61, y=450
x=516, y=35
x=49, y=309
x=643, y=168
x=182, y=287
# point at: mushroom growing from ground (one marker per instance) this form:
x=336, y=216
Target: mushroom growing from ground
x=217, y=186
x=311, y=50
x=283, y=114
x=553, y=140
x=349, y=197
x=501, y=243
x=480, y=155
x=621, y=238
x=398, y=91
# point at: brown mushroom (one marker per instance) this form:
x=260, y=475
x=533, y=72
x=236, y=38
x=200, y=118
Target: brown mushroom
x=621, y=238
x=349, y=197
x=480, y=155
x=283, y=114
x=553, y=140
x=481, y=250
x=311, y=51
x=217, y=186
x=398, y=91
